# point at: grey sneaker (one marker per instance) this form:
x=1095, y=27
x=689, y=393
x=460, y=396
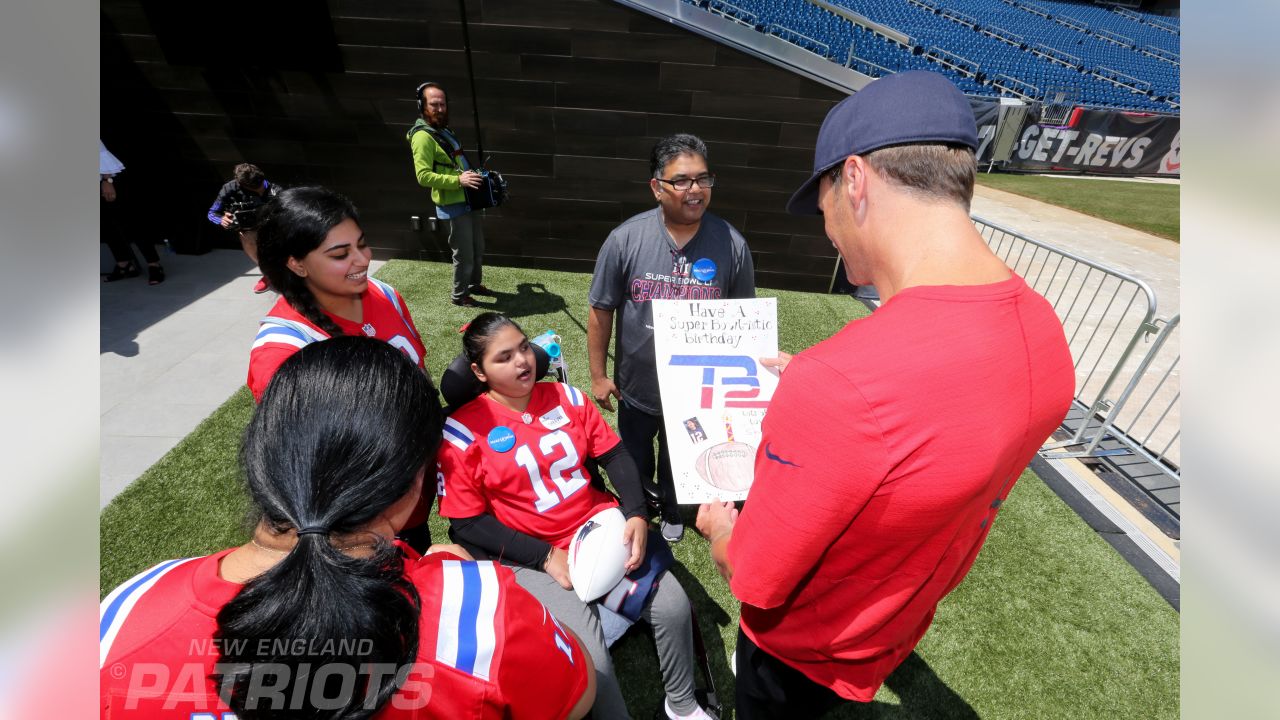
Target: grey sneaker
x=672, y=532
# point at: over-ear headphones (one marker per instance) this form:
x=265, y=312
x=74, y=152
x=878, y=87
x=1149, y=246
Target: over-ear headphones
x=424, y=86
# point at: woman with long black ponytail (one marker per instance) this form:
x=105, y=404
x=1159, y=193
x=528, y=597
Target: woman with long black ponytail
x=313, y=252
x=322, y=613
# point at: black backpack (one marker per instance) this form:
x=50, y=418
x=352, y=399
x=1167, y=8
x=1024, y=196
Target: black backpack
x=491, y=193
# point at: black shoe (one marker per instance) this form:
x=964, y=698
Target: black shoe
x=482, y=290
x=120, y=273
x=155, y=274
x=465, y=301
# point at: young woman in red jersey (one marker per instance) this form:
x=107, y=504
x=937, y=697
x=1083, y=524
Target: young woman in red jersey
x=312, y=250
x=514, y=485
x=321, y=613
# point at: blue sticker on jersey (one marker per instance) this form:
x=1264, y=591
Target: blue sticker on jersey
x=501, y=439
x=704, y=270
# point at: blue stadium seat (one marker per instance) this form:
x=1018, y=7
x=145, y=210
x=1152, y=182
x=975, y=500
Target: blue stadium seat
x=1113, y=58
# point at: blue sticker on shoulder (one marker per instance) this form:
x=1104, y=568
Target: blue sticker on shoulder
x=501, y=439
x=704, y=270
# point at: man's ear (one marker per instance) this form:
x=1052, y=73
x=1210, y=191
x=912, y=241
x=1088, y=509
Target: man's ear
x=297, y=267
x=856, y=172
x=656, y=187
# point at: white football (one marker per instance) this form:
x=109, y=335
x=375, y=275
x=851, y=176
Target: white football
x=597, y=555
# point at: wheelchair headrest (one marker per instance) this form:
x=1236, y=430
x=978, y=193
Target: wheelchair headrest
x=459, y=386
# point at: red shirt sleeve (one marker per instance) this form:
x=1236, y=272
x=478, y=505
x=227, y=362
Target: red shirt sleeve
x=263, y=363
x=822, y=458
x=461, y=485
x=543, y=672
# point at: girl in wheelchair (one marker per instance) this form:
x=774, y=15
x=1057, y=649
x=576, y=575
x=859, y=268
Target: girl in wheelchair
x=515, y=482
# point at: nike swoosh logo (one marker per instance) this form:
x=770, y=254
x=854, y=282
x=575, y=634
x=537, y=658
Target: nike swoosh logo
x=777, y=459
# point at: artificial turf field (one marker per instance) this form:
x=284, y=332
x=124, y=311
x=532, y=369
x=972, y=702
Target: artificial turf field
x=1050, y=623
x=1149, y=207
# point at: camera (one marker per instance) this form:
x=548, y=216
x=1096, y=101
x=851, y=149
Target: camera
x=244, y=215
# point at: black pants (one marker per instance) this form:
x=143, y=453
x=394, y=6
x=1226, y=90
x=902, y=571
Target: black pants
x=637, y=429
x=769, y=689
x=115, y=224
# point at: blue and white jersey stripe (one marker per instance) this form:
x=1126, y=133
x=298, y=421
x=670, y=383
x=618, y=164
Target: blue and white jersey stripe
x=115, y=608
x=466, y=638
x=287, y=332
x=390, y=294
x=573, y=394
x=457, y=434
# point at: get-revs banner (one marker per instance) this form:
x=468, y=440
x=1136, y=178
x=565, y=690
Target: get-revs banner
x=1092, y=141
x=1099, y=141
x=714, y=390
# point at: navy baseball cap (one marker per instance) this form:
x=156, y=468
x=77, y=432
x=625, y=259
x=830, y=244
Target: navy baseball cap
x=900, y=109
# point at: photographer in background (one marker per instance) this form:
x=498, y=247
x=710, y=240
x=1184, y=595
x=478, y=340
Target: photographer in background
x=237, y=206
x=114, y=224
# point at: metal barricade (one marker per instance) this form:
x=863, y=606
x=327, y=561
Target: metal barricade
x=1144, y=418
x=1105, y=314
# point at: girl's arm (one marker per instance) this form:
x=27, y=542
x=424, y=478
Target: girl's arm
x=626, y=478
x=490, y=534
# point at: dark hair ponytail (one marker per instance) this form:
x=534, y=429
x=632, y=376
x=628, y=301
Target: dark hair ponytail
x=341, y=435
x=292, y=224
x=475, y=339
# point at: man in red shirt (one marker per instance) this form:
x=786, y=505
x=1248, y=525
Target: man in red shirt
x=899, y=436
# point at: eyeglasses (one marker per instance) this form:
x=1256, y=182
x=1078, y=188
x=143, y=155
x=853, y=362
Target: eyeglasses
x=704, y=181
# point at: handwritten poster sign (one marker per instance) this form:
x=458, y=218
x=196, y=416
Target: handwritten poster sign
x=714, y=390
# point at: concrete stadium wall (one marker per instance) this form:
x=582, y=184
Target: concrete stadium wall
x=572, y=95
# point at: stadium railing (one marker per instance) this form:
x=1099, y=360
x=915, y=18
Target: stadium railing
x=795, y=37
x=732, y=12
x=1105, y=315
x=959, y=63
x=1014, y=86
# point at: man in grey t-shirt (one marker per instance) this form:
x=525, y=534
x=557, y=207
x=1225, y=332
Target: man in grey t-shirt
x=676, y=251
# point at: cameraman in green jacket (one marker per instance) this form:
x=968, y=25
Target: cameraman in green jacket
x=439, y=164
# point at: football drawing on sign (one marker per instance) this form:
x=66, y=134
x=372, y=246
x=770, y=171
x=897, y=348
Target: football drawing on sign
x=714, y=390
x=728, y=465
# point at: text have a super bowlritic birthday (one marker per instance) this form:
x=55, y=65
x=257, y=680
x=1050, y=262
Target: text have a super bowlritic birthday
x=715, y=325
